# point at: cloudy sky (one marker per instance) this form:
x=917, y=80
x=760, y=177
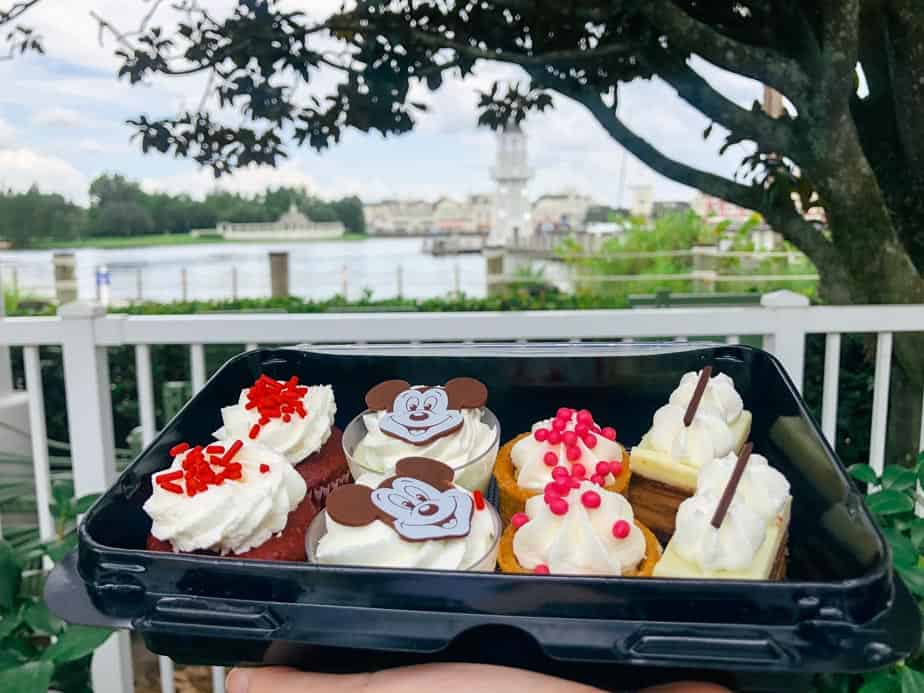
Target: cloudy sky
x=62, y=122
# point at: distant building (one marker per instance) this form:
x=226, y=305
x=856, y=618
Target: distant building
x=717, y=209
x=291, y=226
x=660, y=209
x=399, y=217
x=512, y=213
x=565, y=210
x=642, y=200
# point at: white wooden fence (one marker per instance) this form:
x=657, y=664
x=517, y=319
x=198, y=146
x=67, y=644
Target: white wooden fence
x=85, y=332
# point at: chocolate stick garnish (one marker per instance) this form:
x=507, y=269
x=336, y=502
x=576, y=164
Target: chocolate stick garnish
x=704, y=376
x=732, y=485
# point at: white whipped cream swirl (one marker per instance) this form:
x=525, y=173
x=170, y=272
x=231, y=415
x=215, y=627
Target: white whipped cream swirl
x=377, y=544
x=719, y=398
x=707, y=436
x=580, y=542
x=296, y=438
x=380, y=452
x=528, y=456
x=234, y=516
x=760, y=498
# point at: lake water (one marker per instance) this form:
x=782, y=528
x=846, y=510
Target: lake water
x=316, y=270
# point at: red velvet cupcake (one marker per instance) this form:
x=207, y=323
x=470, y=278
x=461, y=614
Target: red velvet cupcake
x=240, y=500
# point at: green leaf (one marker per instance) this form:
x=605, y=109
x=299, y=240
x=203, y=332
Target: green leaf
x=880, y=682
x=62, y=492
x=41, y=619
x=921, y=468
x=914, y=579
x=10, y=576
x=31, y=677
x=917, y=533
x=58, y=549
x=904, y=555
x=889, y=502
x=10, y=622
x=911, y=681
x=84, y=502
x=898, y=478
x=864, y=473
x=76, y=642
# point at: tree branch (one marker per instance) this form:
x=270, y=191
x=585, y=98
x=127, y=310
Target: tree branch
x=774, y=134
x=766, y=66
x=17, y=10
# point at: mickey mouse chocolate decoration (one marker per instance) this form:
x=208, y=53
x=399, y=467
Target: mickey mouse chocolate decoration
x=419, y=415
x=419, y=502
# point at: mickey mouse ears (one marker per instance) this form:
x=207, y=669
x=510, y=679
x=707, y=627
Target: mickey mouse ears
x=463, y=393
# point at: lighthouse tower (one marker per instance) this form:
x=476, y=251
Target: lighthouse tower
x=510, y=220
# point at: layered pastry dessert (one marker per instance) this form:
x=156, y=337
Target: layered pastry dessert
x=585, y=530
x=704, y=419
x=568, y=449
x=449, y=423
x=239, y=499
x=417, y=518
x=297, y=421
x=736, y=524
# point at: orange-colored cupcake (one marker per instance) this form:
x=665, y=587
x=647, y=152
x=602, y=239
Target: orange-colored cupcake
x=590, y=531
x=563, y=450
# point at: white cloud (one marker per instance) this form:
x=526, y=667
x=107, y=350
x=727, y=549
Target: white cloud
x=22, y=168
x=7, y=134
x=58, y=117
x=250, y=181
x=90, y=145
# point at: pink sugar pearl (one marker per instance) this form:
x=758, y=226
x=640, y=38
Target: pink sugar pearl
x=541, y=434
x=620, y=529
x=550, y=458
x=590, y=499
x=559, y=506
x=519, y=519
x=541, y=569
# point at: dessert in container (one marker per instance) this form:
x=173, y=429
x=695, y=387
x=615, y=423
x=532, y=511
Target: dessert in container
x=448, y=422
x=704, y=418
x=841, y=607
x=415, y=519
x=570, y=444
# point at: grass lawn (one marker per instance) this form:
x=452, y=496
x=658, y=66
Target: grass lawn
x=158, y=239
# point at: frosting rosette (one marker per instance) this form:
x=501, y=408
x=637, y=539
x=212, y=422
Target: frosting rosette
x=590, y=531
x=719, y=398
x=761, y=497
x=284, y=415
x=227, y=498
x=571, y=440
x=707, y=436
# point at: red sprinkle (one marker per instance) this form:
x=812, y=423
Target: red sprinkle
x=615, y=467
x=232, y=451
x=609, y=433
x=560, y=473
x=479, y=500
x=541, y=434
x=254, y=431
x=602, y=468
x=597, y=479
x=573, y=453
x=550, y=458
x=541, y=569
x=590, y=440
x=169, y=476
x=179, y=449
x=620, y=529
x=173, y=488
x=275, y=400
x=555, y=438
x=590, y=499
x=558, y=506
x=264, y=468
x=519, y=519
x=578, y=470
x=215, y=449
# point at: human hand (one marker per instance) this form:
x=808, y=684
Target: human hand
x=443, y=678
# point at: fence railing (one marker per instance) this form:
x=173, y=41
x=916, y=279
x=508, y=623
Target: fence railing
x=85, y=333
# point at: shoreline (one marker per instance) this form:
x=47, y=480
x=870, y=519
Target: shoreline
x=166, y=239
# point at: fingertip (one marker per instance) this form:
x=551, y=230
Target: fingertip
x=238, y=680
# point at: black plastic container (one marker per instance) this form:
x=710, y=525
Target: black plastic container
x=840, y=609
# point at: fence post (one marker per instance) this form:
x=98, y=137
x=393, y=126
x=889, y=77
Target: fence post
x=139, y=287
x=184, y=284
x=65, y=267
x=89, y=415
x=495, y=269
x=704, y=264
x=787, y=342
x=399, y=272
x=279, y=274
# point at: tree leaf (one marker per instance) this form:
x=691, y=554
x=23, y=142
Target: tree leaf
x=889, y=502
x=912, y=681
x=10, y=576
x=880, y=682
x=904, y=555
x=58, y=549
x=41, y=619
x=917, y=533
x=76, y=642
x=864, y=473
x=10, y=622
x=31, y=677
x=84, y=502
x=898, y=478
x=707, y=131
x=914, y=579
